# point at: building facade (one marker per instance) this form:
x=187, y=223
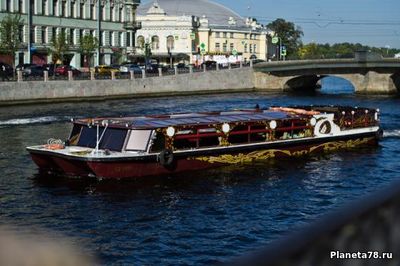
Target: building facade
x=113, y=23
x=170, y=38
x=195, y=31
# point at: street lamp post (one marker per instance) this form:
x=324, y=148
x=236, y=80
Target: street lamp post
x=98, y=31
x=29, y=31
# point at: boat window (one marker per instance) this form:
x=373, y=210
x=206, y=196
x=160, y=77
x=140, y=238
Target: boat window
x=239, y=138
x=158, y=143
x=208, y=141
x=184, y=144
x=113, y=139
x=88, y=136
x=138, y=140
x=258, y=136
x=75, y=132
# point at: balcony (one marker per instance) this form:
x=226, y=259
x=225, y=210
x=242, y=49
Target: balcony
x=133, y=25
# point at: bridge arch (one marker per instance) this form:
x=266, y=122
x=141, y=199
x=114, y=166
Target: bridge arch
x=310, y=82
x=396, y=80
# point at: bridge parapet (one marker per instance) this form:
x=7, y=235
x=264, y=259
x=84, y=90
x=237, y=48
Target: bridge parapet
x=389, y=65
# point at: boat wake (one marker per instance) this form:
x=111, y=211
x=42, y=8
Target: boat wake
x=32, y=120
x=394, y=133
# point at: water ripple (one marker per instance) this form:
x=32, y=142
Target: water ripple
x=201, y=218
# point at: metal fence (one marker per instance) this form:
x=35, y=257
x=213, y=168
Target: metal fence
x=20, y=77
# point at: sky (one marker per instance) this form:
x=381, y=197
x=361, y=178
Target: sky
x=369, y=22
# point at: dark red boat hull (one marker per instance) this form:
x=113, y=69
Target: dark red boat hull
x=133, y=167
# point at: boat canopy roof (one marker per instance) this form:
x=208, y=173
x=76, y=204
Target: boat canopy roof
x=193, y=119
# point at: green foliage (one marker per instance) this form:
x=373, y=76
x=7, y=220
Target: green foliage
x=10, y=29
x=339, y=50
x=59, y=46
x=289, y=33
x=88, y=44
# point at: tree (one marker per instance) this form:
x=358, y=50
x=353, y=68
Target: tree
x=289, y=33
x=311, y=51
x=10, y=29
x=88, y=44
x=59, y=46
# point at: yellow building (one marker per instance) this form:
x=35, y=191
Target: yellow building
x=217, y=32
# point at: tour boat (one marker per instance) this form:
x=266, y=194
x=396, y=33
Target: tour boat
x=139, y=146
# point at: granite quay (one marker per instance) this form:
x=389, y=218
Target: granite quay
x=189, y=82
x=372, y=77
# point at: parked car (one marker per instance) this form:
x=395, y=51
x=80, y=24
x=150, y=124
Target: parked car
x=33, y=70
x=63, y=70
x=127, y=68
x=23, y=66
x=209, y=64
x=9, y=69
x=182, y=66
x=115, y=66
x=152, y=68
x=50, y=68
x=105, y=70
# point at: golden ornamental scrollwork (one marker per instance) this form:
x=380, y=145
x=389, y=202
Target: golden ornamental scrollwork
x=272, y=153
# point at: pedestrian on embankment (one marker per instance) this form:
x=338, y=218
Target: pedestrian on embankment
x=3, y=73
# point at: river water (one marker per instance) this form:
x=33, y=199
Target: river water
x=198, y=218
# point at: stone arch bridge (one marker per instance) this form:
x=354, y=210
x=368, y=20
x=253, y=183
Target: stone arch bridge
x=380, y=76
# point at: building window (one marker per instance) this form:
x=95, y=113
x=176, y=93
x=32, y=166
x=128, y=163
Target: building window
x=224, y=47
x=217, y=47
x=217, y=35
x=55, y=8
x=21, y=6
x=246, y=35
x=140, y=41
x=251, y=48
x=80, y=35
x=53, y=33
x=231, y=47
x=121, y=17
x=92, y=11
x=112, y=11
x=101, y=39
x=32, y=36
x=21, y=33
x=225, y=34
x=70, y=35
x=8, y=5
x=255, y=48
x=101, y=13
x=170, y=42
x=82, y=10
x=64, y=9
x=155, y=42
x=128, y=39
x=72, y=11
x=121, y=39
x=44, y=7
x=245, y=47
x=232, y=35
x=44, y=39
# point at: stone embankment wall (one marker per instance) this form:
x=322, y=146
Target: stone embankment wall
x=234, y=80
